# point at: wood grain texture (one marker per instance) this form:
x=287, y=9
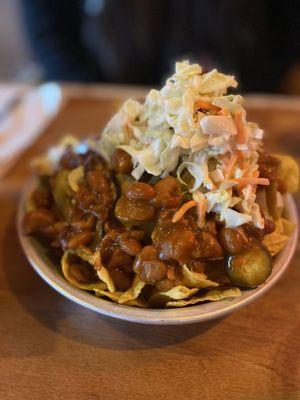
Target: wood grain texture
x=51, y=348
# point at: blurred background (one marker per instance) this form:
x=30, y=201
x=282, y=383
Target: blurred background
x=137, y=42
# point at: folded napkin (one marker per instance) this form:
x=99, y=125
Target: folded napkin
x=24, y=114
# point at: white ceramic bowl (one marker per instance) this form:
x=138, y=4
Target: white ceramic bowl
x=197, y=313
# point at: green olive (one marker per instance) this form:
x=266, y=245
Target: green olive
x=231, y=240
x=250, y=267
x=133, y=212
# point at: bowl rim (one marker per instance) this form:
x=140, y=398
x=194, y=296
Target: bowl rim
x=172, y=316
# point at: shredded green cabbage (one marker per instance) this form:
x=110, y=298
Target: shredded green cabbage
x=169, y=133
x=184, y=126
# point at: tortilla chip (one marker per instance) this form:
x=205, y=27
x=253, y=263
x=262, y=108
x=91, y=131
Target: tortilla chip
x=288, y=172
x=133, y=292
x=192, y=279
x=176, y=293
x=95, y=260
x=86, y=286
x=116, y=296
x=85, y=254
x=104, y=276
x=287, y=226
x=211, y=295
x=276, y=240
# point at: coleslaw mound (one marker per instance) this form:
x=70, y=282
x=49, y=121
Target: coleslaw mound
x=194, y=129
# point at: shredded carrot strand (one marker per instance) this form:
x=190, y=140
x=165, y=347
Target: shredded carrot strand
x=171, y=274
x=207, y=106
x=252, y=181
x=230, y=165
x=224, y=112
x=201, y=208
x=241, y=158
x=255, y=175
x=182, y=210
x=240, y=127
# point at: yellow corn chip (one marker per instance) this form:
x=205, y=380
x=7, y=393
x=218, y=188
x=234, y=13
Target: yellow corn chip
x=111, y=295
x=116, y=296
x=287, y=226
x=85, y=254
x=176, y=293
x=133, y=292
x=288, y=171
x=276, y=240
x=95, y=259
x=192, y=279
x=65, y=266
x=104, y=276
x=211, y=295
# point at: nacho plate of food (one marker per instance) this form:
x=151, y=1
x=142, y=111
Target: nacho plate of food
x=174, y=214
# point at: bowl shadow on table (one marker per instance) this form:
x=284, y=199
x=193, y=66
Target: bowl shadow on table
x=77, y=323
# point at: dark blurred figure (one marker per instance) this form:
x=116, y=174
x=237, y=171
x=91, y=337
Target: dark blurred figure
x=137, y=41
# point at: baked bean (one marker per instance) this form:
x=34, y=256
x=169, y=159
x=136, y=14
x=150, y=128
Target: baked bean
x=128, y=244
x=146, y=254
x=52, y=231
x=113, y=224
x=168, y=193
x=167, y=185
x=70, y=159
x=82, y=272
x=165, y=284
x=140, y=191
x=165, y=225
x=177, y=245
x=207, y=246
x=75, y=214
x=253, y=233
x=147, y=264
x=126, y=267
x=107, y=247
x=80, y=239
x=121, y=279
x=133, y=212
x=269, y=226
x=118, y=259
x=38, y=219
x=231, y=240
x=84, y=224
x=92, y=161
x=121, y=162
x=98, y=204
x=211, y=227
x=98, y=182
x=166, y=215
x=153, y=271
x=138, y=235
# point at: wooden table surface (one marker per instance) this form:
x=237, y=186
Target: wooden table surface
x=51, y=348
